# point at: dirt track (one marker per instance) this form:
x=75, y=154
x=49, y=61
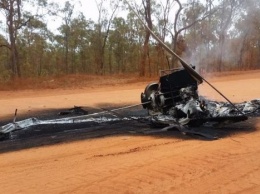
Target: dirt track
x=133, y=163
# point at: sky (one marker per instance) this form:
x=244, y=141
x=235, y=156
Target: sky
x=87, y=7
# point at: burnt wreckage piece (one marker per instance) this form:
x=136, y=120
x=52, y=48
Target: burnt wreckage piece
x=171, y=89
x=175, y=100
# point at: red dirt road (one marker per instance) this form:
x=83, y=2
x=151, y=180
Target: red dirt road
x=134, y=164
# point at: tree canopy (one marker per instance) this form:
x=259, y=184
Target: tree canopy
x=213, y=35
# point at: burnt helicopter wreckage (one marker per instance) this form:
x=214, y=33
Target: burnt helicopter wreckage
x=174, y=100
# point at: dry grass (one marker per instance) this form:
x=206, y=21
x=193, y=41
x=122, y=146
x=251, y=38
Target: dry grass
x=89, y=81
x=72, y=81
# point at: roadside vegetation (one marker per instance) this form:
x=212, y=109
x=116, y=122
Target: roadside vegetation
x=213, y=35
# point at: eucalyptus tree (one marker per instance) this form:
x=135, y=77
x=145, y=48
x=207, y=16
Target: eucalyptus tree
x=16, y=19
x=135, y=37
x=147, y=12
x=4, y=60
x=186, y=17
x=200, y=37
x=163, y=13
x=81, y=32
x=102, y=29
x=226, y=14
x=119, y=45
x=65, y=30
x=247, y=33
x=33, y=45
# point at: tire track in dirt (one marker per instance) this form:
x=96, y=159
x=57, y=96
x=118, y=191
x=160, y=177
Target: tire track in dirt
x=136, y=149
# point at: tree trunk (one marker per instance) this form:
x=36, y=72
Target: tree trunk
x=241, y=53
x=145, y=51
x=12, y=35
x=144, y=54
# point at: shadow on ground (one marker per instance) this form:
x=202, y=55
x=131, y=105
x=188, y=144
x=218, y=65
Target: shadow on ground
x=138, y=125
